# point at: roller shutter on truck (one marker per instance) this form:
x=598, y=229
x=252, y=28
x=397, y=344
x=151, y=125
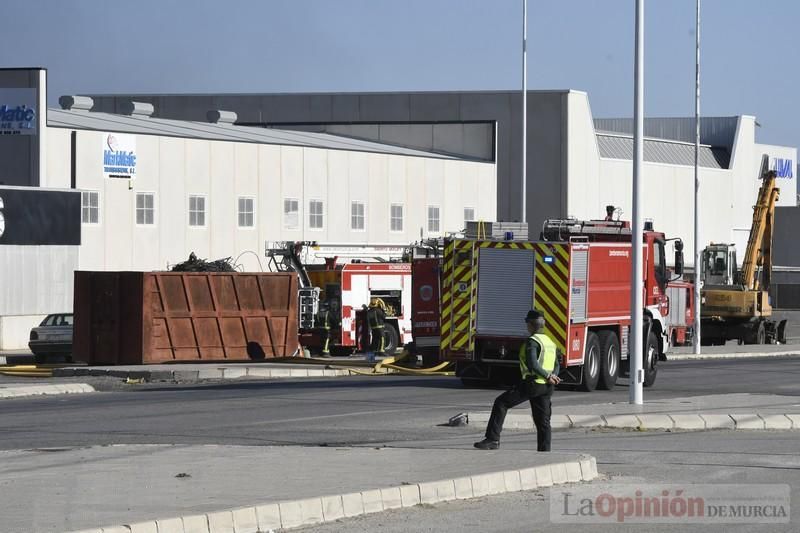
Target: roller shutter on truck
x=505, y=291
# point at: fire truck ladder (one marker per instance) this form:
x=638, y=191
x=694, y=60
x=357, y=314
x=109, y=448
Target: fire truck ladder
x=284, y=256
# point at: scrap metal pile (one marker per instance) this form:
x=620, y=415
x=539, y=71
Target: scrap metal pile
x=193, y=264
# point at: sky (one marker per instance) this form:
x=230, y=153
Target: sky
x=749, y=61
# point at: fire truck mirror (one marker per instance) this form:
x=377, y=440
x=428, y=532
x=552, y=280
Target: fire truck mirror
x=678, y=261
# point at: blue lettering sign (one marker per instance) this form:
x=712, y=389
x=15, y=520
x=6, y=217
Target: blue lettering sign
x=20, y=117
x=784, y=168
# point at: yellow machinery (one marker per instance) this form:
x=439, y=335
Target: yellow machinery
x=735, y=304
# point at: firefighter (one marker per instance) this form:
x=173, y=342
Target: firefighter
x=324, y=321
x=609, y=213
x=538, y=364
x=376, y=316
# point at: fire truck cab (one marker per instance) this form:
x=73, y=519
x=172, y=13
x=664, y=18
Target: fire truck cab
x=579, y=275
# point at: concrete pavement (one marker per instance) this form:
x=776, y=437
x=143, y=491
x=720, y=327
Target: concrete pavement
x=208, y=371
x=177, y=489
x=23, y=390
x=719, y=411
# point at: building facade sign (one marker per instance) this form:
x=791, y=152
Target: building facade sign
x=119, y=155
x=784, y=168
x=18, y=111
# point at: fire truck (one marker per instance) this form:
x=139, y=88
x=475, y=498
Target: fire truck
x=345, y=277
x=579, y=275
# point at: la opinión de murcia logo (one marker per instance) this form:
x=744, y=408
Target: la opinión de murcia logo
x=724, y=503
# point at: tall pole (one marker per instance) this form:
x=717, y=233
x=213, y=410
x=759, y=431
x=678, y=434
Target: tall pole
x=698, y=259
x=524, y=110
x=637, y=276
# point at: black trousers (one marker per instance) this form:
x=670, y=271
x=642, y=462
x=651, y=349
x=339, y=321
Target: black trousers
x=539, y=395
x=376, y=340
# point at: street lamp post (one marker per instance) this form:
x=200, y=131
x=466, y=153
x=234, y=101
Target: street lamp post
x=698, y=260
x=524, y=110
x=635, y=356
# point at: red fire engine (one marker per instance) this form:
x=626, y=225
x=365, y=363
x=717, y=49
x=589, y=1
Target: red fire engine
x=351, y=276
x=579, y=274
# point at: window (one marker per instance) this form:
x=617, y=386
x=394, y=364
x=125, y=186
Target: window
x=247, y=212
x=357, y=216
x=396, y=217
x=291, y=216
x=433, y=219
x=315, y=214
x=145, y=209
x=469, y=214
x=197, y=211
x=90, y=207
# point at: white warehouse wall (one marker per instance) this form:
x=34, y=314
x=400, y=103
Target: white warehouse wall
x=174, y=168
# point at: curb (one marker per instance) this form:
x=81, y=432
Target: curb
x=39, y=390
x=693, y=357
x=311, y=511
x=204, y=373
x=678, y=421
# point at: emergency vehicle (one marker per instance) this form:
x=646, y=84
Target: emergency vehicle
x=579, y=275
x=345, y=278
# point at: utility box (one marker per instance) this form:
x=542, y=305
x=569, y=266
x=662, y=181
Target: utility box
x=131, y=318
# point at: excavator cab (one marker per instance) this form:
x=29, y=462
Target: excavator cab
x=719, y=265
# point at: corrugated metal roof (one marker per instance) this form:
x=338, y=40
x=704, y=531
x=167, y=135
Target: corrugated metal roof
x=714, y=131
x=83, y=120
x=615, y=146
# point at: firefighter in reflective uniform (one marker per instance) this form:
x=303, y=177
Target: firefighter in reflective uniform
x=538, y=364
x=324, y=321
x=376, y=316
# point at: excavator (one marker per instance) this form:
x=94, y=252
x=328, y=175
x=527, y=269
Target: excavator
x=735, y=303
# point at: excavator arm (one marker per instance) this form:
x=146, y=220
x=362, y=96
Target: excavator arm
x=758, y=256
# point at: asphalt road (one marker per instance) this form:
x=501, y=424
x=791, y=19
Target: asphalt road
x=334, y=411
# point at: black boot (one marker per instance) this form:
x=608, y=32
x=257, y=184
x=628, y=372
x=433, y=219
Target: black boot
x=487, y=444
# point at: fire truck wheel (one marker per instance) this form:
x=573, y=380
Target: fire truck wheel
x=650, y=360
x=609, y=360
x=591, y=363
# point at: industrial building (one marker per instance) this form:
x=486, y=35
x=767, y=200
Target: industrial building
x=128, y=191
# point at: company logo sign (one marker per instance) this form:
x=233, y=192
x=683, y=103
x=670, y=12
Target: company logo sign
x=784, y=168
x=17, y=111
x=119, y=156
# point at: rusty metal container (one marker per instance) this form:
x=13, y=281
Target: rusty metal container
x=130, y=318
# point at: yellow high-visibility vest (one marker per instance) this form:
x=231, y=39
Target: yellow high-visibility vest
x=547, y=356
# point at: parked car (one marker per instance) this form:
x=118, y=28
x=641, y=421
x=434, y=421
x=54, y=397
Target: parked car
x=52, y=338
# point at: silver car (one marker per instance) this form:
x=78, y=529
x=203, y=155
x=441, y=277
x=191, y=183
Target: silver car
x=52, y=338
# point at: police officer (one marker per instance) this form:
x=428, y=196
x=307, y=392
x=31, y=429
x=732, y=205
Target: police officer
x=376, y=318
x=538, y=364
x=324, y=320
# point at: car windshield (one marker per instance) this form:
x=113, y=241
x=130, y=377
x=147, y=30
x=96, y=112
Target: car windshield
x=49, y=320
